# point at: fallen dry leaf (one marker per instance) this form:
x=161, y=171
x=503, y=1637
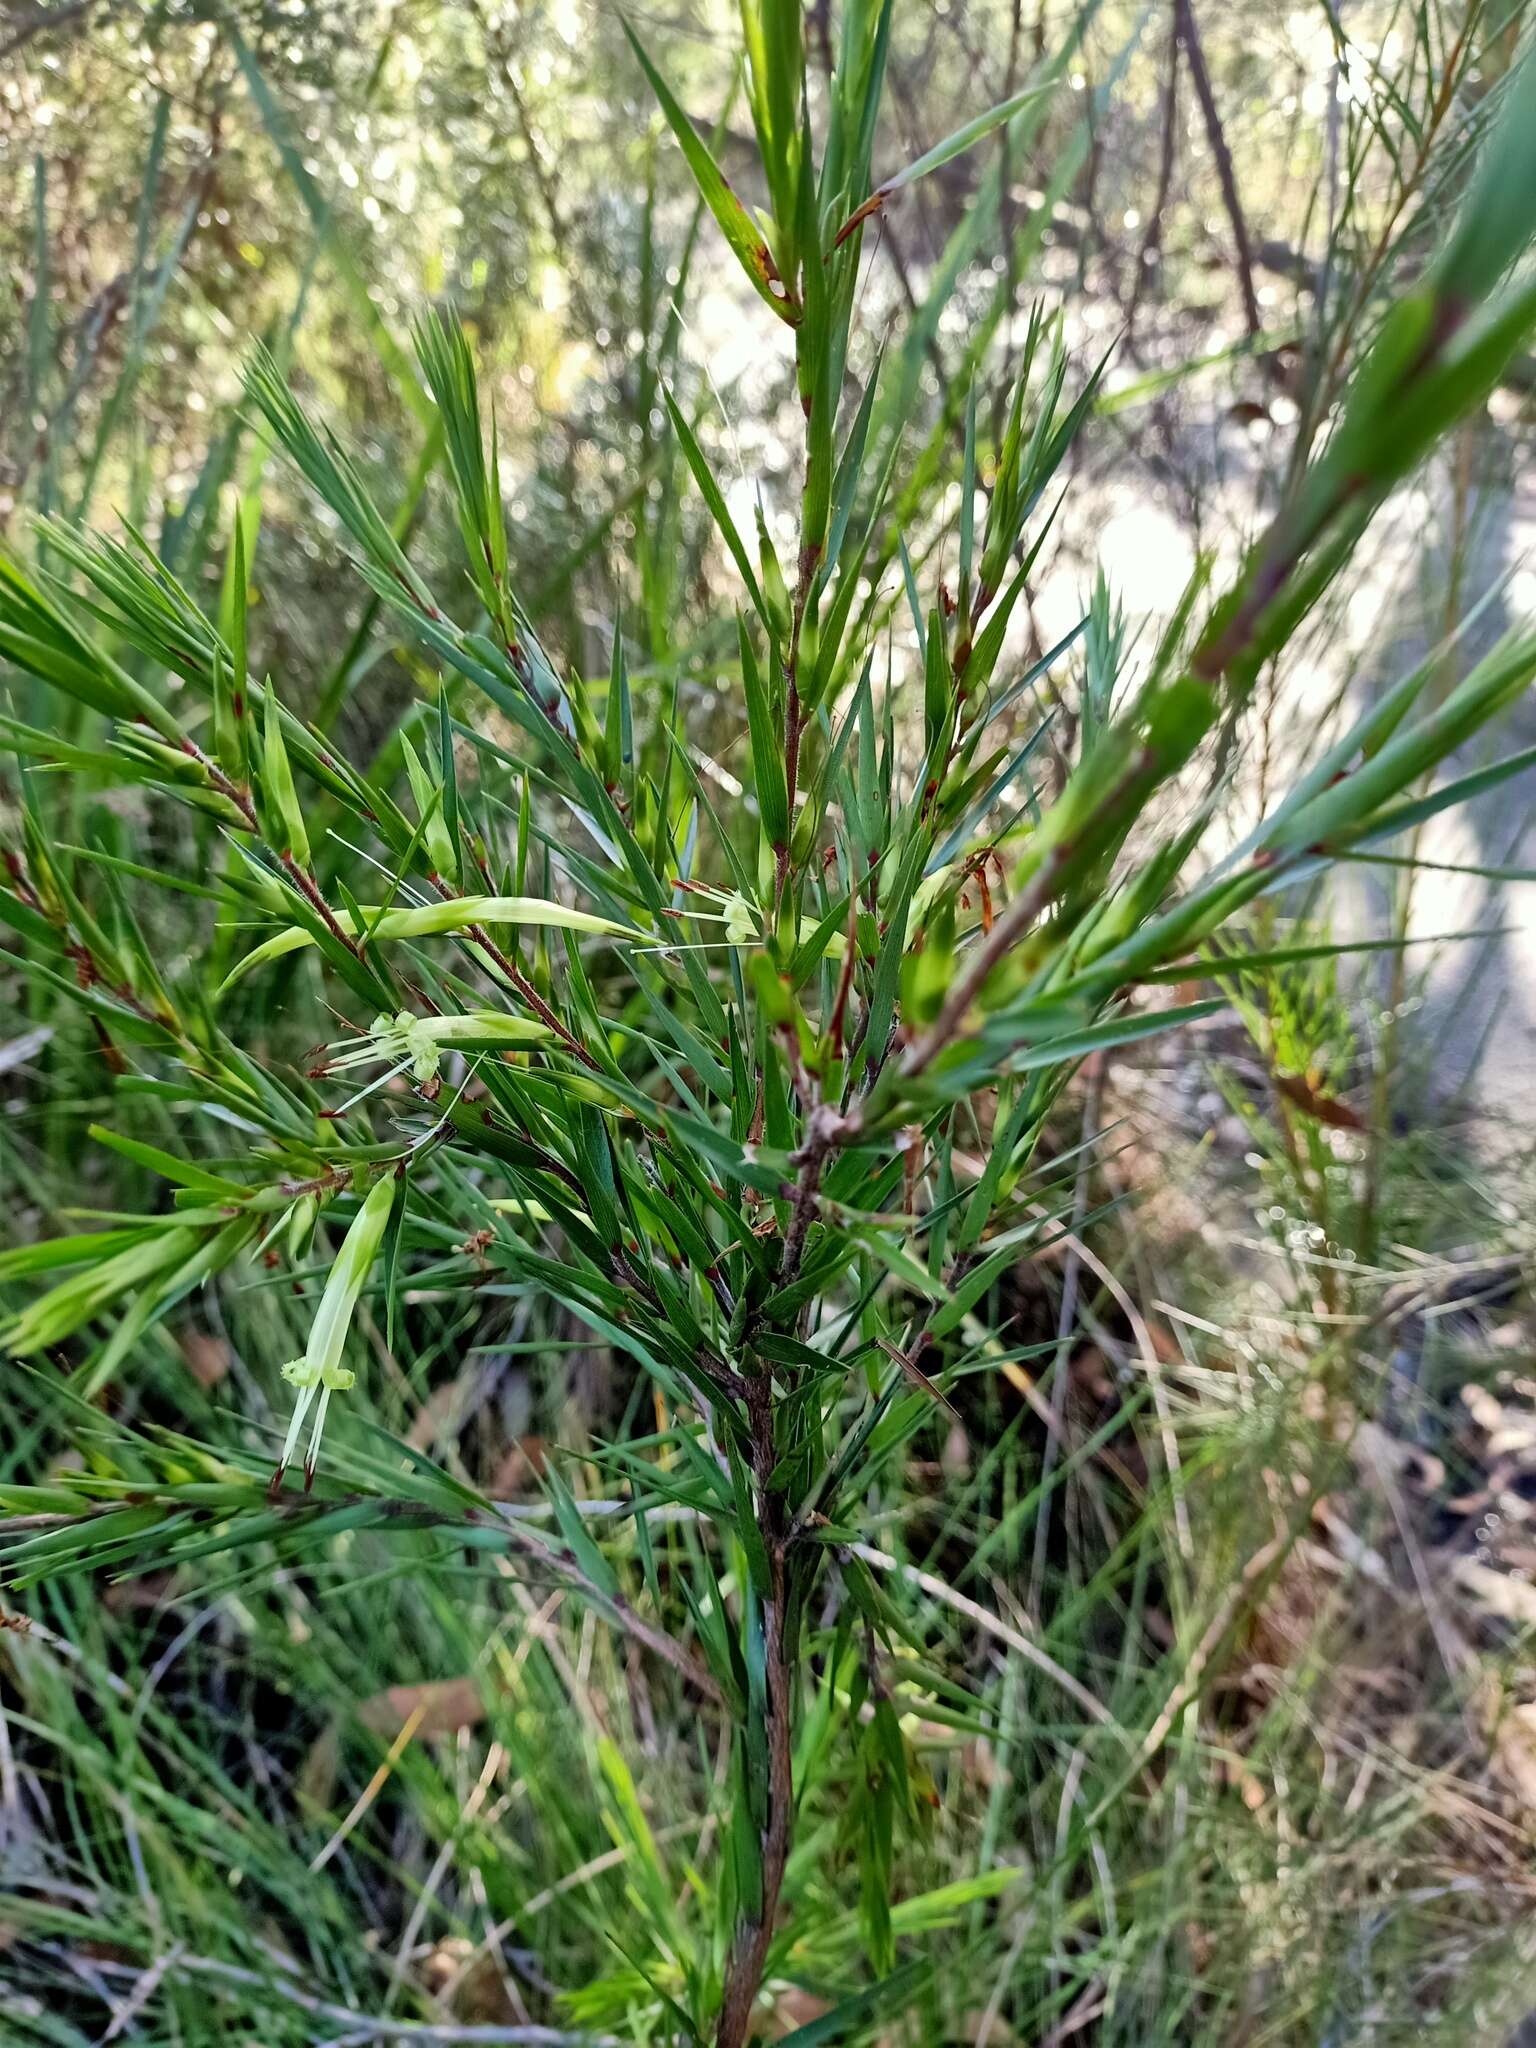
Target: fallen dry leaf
x=794, y=2008
x=522, y=1460
x=207, y=1357
x=446, y=1706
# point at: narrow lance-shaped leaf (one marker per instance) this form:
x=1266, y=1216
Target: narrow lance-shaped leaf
x=736, y=224
x=284, y=814
x=767, y=754
x=704, y=477
x=974, y=131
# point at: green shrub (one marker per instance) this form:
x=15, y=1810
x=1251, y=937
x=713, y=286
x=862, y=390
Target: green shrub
x=686, y=1074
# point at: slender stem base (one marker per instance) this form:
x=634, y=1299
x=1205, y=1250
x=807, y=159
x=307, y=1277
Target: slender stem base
x=749, y=1951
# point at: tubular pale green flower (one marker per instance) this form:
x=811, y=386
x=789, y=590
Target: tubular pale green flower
x=425, y=920
x=320, y=1369
x=420, y=1042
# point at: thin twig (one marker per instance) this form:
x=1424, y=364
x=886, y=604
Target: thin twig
x=1152, y=240
x=1189, y=35
x=40, y=21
